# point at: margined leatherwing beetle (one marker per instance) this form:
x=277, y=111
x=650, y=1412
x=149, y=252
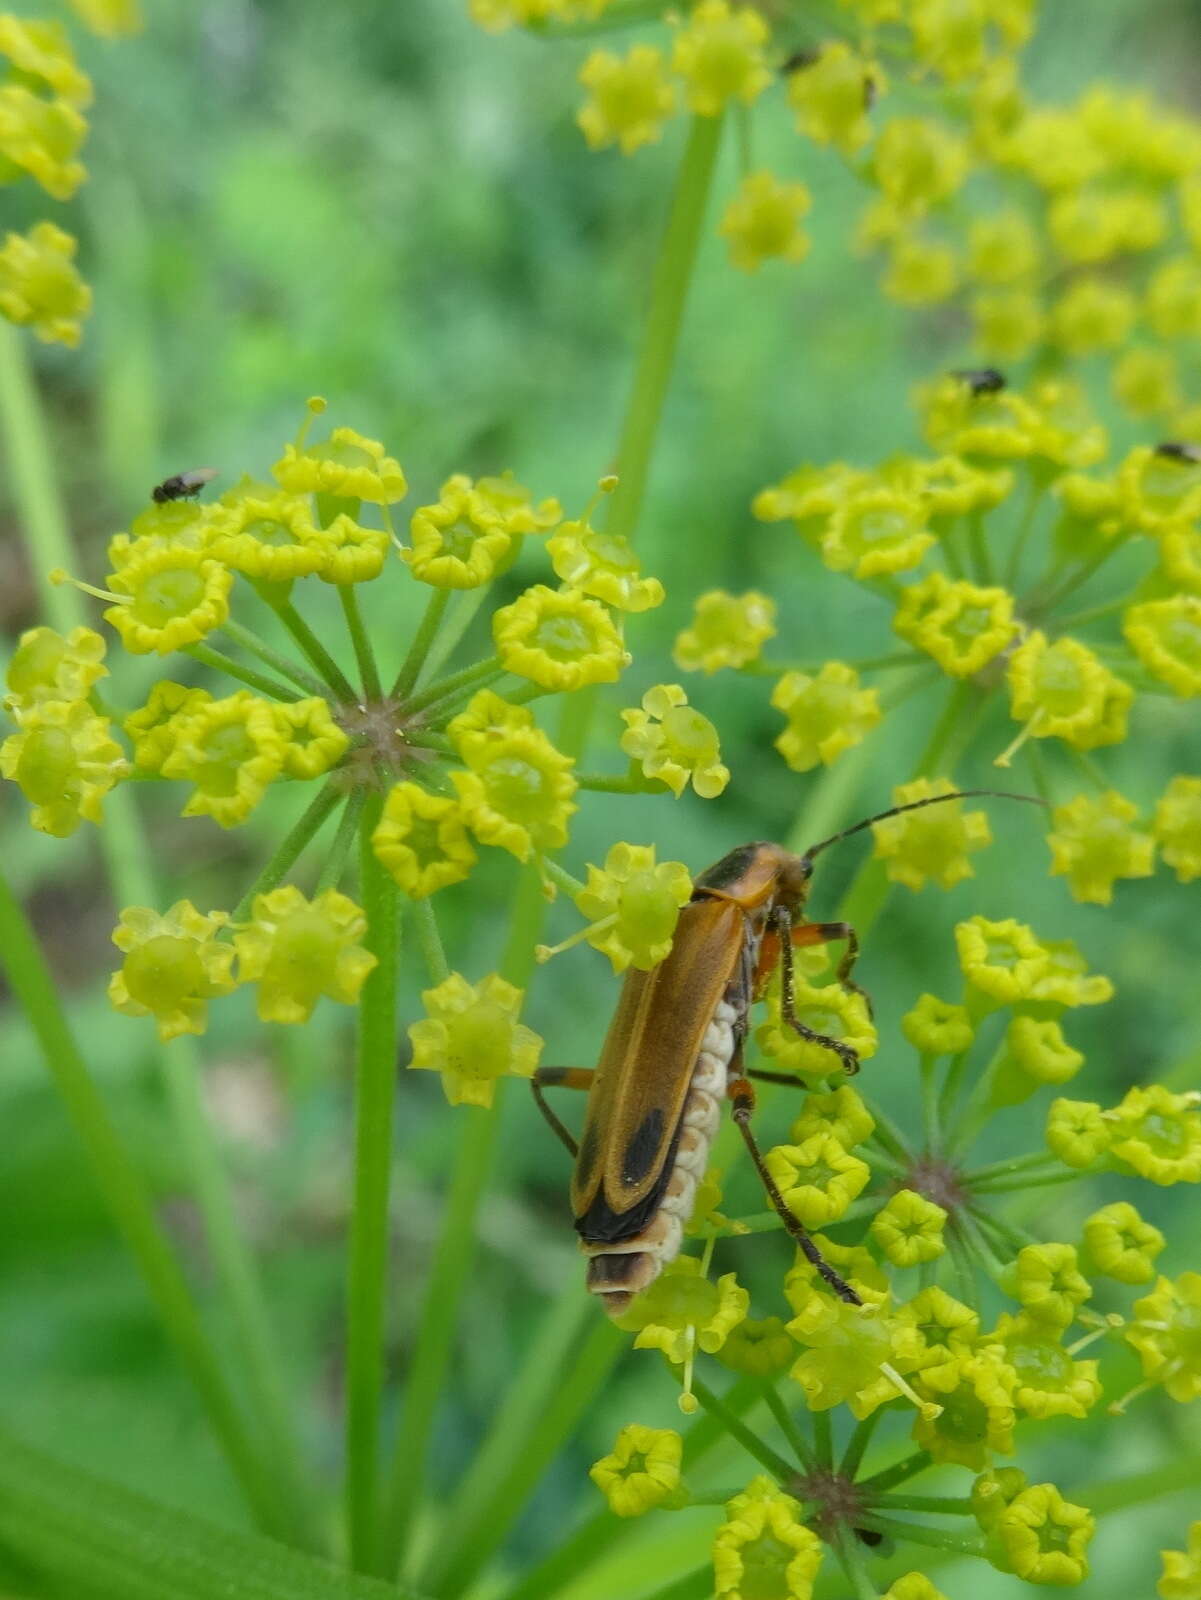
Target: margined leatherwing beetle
x=674, y=1052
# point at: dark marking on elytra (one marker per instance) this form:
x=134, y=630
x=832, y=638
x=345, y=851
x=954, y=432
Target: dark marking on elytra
x=728, y=870
x=643, y=1147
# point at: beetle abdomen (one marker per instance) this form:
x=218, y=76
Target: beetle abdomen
x=618, y=1271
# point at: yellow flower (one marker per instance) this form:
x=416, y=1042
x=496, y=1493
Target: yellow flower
x=1158, y=1134
x=913, y=1586
x=458, y=542
x=633, y=904
x=956, y=40
x=827, y=714
x=629, y=100
x=41, y=58
x=1002, y=961
x=719, y=53
x=980, y=425
x=931, y=844
x=937, y=1028
x=919, y=162
x=1050, y=1382
x=272, y=537
x=673, y=743
x=1174, y=299
x=422, y=840
x=347, y=466
x=945, y=1327
x=642, y=1471
x=807, y=1292
x=1166, y=637
x=1067, y=981
x=486, y=721
x=52, y=666
x=176, y=597
x=1064, y=432
x=876, y=531
x=64, y=759
x=1003, y=248
x=950, y=488
x=1033, y=1053
x=1163, y=1330
x=41, y=137
x=682, y=1310
x=1146, y=381
x=1177, y=827
x=1093, y=843
x=471, y=1035
x=762, y=222
x=1121, y=1244
x=921, y=272
x=838, y=1112
x=962, y=625
x=231, y=750
x=832, y=1011
x=603, y=566
x=174, y=965
x=854, y=1354
x=109, y=19
x=763, y=1550
x=759, y=1347
x=1182, y=1572
x=1092, y=315
x=315, y=742
x=518, y=792
x=1077, y=1132
x=1042, y=1538
x=514, y=502
x=817, y=1178
x=727, y=631
x=975, y=1392
x=40, y=287
x=351, y=553
x=153, y=726
x=1007, y=323
x=558, y=639
x=1045, y=1279
x=1180, y=556
x=1063, y=691
x=1093, y=225
x=832, y=96
x=909, y=1229
x=297, y=950
x=1159, y=489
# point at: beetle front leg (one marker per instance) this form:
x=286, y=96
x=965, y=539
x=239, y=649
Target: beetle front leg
x=560, y=1078
x=826, y=932
x=782, y=925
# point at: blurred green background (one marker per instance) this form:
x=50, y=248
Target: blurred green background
x=380, y=204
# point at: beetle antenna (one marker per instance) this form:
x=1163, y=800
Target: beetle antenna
x=916, y=805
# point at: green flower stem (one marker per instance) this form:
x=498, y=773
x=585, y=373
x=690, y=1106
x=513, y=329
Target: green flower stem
x=375, y=1084
x=780, y=1468
x=929, y=1073
x=526, y=693
x=1181, y=1475
x=857, y=1444
x=132, y=1210
x=1020, y=1185
x=317, y=655
x=419, y=649
x=1080, y=619
x=963, y=1264
x=950, y=1087
x=886, y=1164
x=460, y=616
x=669, y=292
x=888, y=1136
x=32, y=482
x=850, y=1558
x=255, y=646
x=946, y=1505
x=348, y=827
x=429, y=941
x=964, y=1544
x=559, y=877
x=218, y=660
x=1013, y=567
x=1040, y=606
x=1014, y=1239
x=289, y=851
x=446, y=688
x=786, y=1423
x=900, y=1472
x=619, y=14
x=360, y=639
x=988, y=1250
x=1010, y=1168
x=628, y=783
x=949, y=724
x=895, y=658
x=823, y=1438
x=695, y=1585
x=981, y=556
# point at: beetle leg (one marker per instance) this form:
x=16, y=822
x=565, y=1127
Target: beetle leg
x=823, y=932
x=782, y=924
x=560, y=1078
x=742, y=1093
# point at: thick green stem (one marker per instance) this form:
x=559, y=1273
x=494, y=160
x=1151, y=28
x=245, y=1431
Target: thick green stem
x=823, y=1438
x=255, y=646
x=479, y=672
x=289, y=851
x=966, y=1544
x=218, y=660
x=900, y=1472
x=375, y=1085
x=360, y=639
x=429, y=941
x=786, y=1423
x=417, y=652
x=318, y=656
x=780, y=1468
x=857, y=1445
x=339, y=852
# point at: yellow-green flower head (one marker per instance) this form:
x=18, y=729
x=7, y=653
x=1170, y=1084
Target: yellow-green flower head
x=1092, y=225
x=818, y=1178
x=315, y=742
x=1062, y=690
x=876, y=531
x=1065, y=432
x=604, y=566
x=1166, y=637
x=173, y=525
x=108, y=19
x=913, y=1586
x=42, y=138
x=759, y=1348
x=832, y=96
x=763, y=221
x=634, y=904
x=64, y=760
x=152, y=728
x=40, y=57
x=1066, y=982
x=1042, y=1538
x=720, y=54
x=1147, y=381
x=921, y=272
x=267, y=536
x=471, y=1035
x=1166, y=1332
x=1158, y=1134
x=1092, y=315
x=827, y=714
x=1053, y=148
x=849, y=1348
x=855, y=1264
x=962, y=625
x=629, y=99
x=705, y=1215
x=352, y=553
x=1046, y=1280
x=976, y=1395
x=1177, y=826
x=1180, y=557
x=1092, y=514
x=673, y=743
x=1093, y=843
x=518, y=792
x=297, y=950
x=1002, y=961
x=945, y=1327
x=839, y=1112
x=937, y=1028
x=830, y=1010
x=40, y=286
x=1137, y=135
x=231, y=750
x=918, y=163
x=559, y=639
x=515, y=503
x=176, y=594
x=1077, y=1132
x=174, y=965
x=459, y=542
x=1050, y=1383
x=727, y=630
x=52, y=666
x=1158, y=491
x=1173, y=305
x=957, y=40
x=986, y=427
x=484, y=724
x=1120, y=1244
x=422, y=840
x=347, y=466
x=641, y=1472
x=808, y=496
x=682, y=1309
x=997, y=107
x=1034, y=1052
x=951, y=488
x=496, y=15
x=909, y=1229
x=993, y=1492
x=764, y=1550
x=1182, y=1572
x=1003, y=248
x=1007, y=323
x=932, y=844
